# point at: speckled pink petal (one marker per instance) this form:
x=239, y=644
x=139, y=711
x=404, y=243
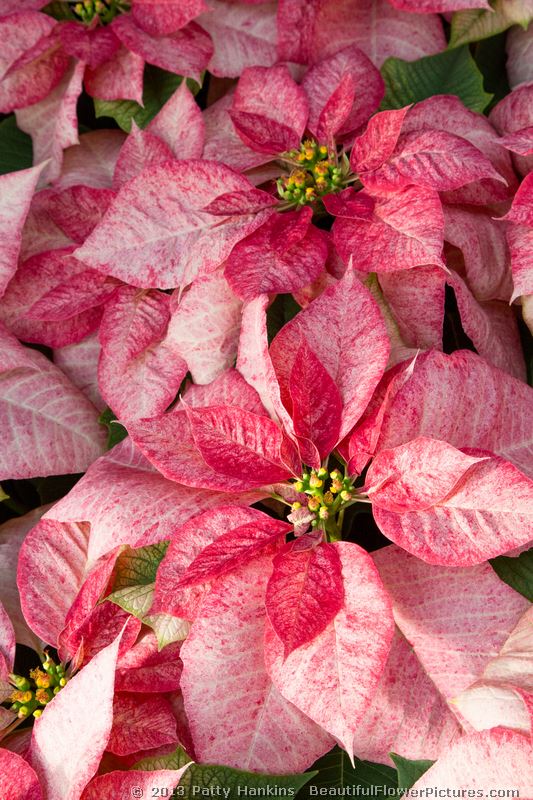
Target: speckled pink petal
x=51, y=570
x=243, y=36
x=16, y=193
x=310, y=31
x=180, y=124
x=520, y=239
x=284, y=254
x=438, y=6
x=52, y=123
x=140, y=722
x=125, y=784
x=145, y=668
x=85, y=602
x=140, y=150
x=187, y=544
x=128, y=502
x=484, y=251
x=512, y=114
x=78, y=209
x=18, y=781
x=487, y=512
x=406, y=230
x=316, y=404
x=204, y=327
x=269, y=109
x=407, y=714
x=79, y=362
x=7, y=644
x=92, y=161
x=49, y=272
x=185, y=51
x=155, y=233
x=229, y=388
x=363, y=440
x=503, y=692
x=346, y=331
x=304, y=593
x=467, y=613
x=64, y=753
x=32, y=62
x=343, y=91
x=257, y=729
x=93, y=46
x=254, y=362
x=484, y=762
x=416, y=299
x=159, y=19
x=233, y=548
x=462, y=400
x=85, y=290
x=318, y=677
x=168, y=443
x=416, y=475
x=223, y=143
x=522, y=207
x=447, y=113
x=242, y=445
x=120, y=78
x=12, y=534
x=520, y=142
x=376, y=145
x=140, y=370
x=48, y=427
x=432, y=159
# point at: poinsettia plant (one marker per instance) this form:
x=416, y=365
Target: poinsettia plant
x=265, y=389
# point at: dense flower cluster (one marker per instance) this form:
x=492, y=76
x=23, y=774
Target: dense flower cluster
x=266, y=448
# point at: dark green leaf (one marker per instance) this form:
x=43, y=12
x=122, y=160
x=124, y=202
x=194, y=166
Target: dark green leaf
x=210, y=778
x=450, y=72
x=137, y=566
x=491, y=58
x=115, y=431
x=60, y=10
x=175, y=760
x=475, y=24
x=159, y=86
x=516, y=572
x=15, y=147
x=54, y=487
x=336, y=772
x=409, y=771
x=281, y=311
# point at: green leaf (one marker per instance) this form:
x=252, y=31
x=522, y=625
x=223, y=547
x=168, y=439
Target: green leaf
x=16, y=150
x=175, y=760
x=336, y=772
x=281, y=311
x=449, y=72
x=59, y=10
x=516, y=572
x=136, y=600
x=3, y=495
x=409, y=771
x=159, y=85
x=133, y=590
x=115, y=431
x=475, y=24
x=138, y=565
x=202, y=780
